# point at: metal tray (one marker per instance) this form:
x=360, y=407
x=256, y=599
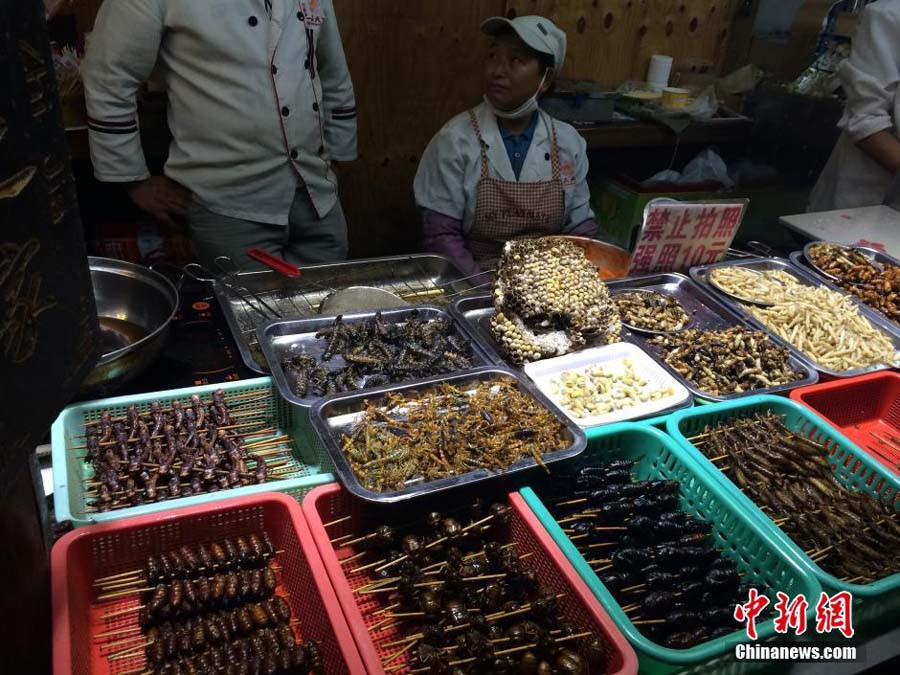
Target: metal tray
x=707, y=313
x=475, y=313
x=766, y=264
x=706, y=310
x=335, y=415
x=799, y=259
x=419, y=279
x=298, y=336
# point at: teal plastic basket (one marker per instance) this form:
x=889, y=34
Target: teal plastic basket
x=657, y=422
x=754, y=551
x=70, y=471
x=852, y=466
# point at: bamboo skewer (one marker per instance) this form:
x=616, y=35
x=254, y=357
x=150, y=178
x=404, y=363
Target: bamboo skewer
x=504, y=652
x=490, y=618
x=229, y=399
x=120, y=631
x=339, y=520
x=888, y=443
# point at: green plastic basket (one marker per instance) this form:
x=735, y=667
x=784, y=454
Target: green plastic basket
x=754, y=551
x=852, y=467
x=70, y=472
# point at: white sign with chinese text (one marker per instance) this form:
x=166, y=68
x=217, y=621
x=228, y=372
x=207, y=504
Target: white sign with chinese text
x=676, y=235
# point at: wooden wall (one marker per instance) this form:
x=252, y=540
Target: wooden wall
x=415, y=64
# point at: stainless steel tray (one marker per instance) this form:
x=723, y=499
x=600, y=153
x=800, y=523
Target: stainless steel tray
x=281, y=339
x=799, y=259
x=334, y=416
x=475, y=313
x=767, y=264
x=707, y=313
x=419, y=279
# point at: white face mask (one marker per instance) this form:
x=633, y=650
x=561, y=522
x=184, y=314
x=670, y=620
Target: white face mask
x=527, y=108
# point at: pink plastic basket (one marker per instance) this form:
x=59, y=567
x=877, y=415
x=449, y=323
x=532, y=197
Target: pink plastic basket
x=96, y=551
x=330, y=502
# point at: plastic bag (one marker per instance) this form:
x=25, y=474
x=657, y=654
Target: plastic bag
x=704, y=105
x=707, y=166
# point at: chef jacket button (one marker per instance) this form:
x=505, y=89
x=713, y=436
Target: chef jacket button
x=316, y=107
x=285, y=111
x=294, y=154
x=306, y=64
x=253, y=21
x=300, y=15
x=274, y=69
x=546, y=155
x=321, y=149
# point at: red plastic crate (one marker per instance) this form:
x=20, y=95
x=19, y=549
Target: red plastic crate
x=860, y=407
x=330, y=502
x=101, y=550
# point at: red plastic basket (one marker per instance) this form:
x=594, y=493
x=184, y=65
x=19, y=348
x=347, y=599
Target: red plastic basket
x=866, y=409
x=330, y=502
x=96, y=551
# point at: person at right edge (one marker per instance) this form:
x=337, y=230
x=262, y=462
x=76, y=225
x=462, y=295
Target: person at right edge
x=505, y=169
x=865, y=162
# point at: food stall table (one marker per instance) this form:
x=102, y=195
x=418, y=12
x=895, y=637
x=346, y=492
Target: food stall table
x=872, y=226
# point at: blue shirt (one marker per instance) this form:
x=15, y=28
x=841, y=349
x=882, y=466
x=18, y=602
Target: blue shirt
x=517, y=144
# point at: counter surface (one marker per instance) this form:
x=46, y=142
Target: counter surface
x=872, y=226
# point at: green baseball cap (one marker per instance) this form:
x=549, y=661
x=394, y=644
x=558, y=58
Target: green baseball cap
x=537, y=32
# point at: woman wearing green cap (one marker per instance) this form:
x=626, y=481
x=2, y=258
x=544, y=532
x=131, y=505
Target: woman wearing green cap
x=505, y=169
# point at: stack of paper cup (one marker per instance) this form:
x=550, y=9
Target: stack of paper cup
x=659, y=71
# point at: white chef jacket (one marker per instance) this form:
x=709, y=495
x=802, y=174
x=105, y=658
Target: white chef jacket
x=870, y=78
x=446, y=181
x=259, y=98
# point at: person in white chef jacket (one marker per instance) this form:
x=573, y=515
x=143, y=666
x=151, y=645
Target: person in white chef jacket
x=865, y=162
x=260, y=105
x=505, y=169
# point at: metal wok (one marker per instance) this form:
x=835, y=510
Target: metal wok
x=135, y=306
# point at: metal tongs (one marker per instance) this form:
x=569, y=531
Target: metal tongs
x=228, y=273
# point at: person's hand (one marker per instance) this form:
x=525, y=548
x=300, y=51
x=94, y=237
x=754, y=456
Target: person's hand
x=161, y=197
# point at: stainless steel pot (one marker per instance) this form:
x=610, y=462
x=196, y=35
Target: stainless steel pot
x=135, y=306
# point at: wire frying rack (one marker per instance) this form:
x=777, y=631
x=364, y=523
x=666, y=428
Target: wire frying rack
x=252, y=299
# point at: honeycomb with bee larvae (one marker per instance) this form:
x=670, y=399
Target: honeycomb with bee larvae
x=549, y=300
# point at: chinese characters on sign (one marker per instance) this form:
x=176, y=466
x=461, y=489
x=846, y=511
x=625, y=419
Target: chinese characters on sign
x=833, y=613
x=678, y=235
